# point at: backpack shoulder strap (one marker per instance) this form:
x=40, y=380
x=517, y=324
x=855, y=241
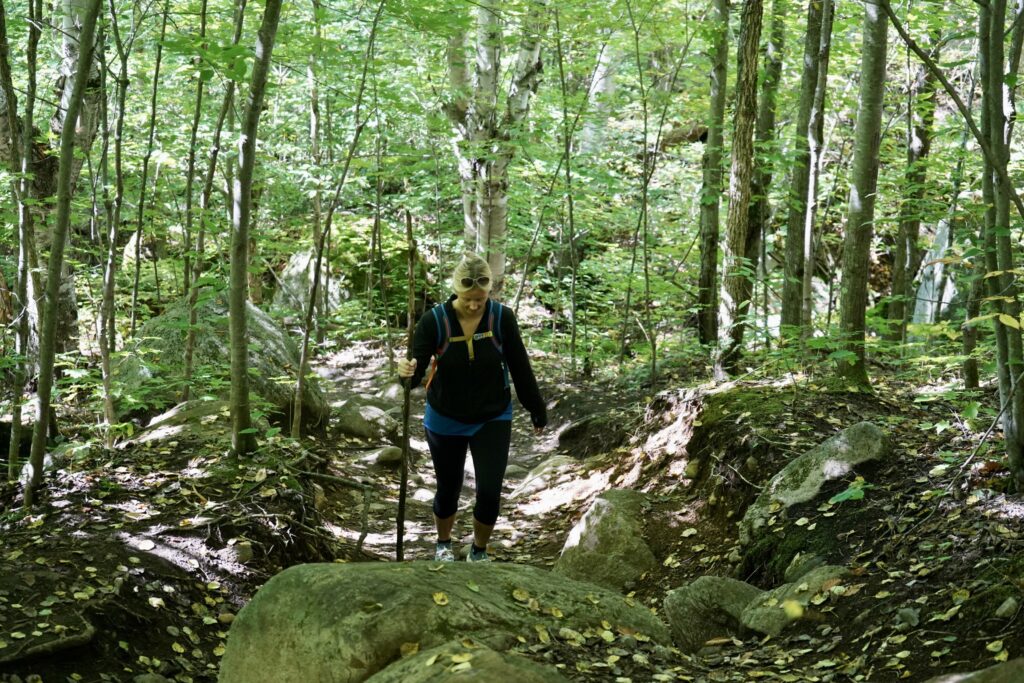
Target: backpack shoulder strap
x=494, y=323
x=444, y=328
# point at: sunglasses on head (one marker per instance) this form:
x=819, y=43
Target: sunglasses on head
x=481, y=281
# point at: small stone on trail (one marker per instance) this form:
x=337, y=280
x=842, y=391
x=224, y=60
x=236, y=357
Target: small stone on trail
x=1008, y=608
x=515, y=472
x=243, y=552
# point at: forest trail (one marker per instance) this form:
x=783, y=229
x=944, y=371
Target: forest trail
x=362, y=370
x=141, y=567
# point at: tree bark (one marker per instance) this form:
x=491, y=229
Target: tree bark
x=48, y=338
x=243, y=439
x=920, y=116
x=999, y=255
x=151, y=137
x=20, y=155
x=300, y=381
x=190, y=169
x=816, y=142
x=800, y=181
x=483, y=136
x=765, y=145
x=736, y=269
x=711, y=184
x=860, y=220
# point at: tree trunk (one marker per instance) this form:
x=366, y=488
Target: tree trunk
x=300, y=381
x=567, y=130
x=204, y=205
x=483, y=136
x=48, y=338
x=140, y=218
x=711, y=186
x=860, y=221
x=800, y=180
x=920, y=115
x=243, y=440
x=20, y=154
x=998, y=249
x=765, y=145
x=816, y=142
x=190, y=169
x=736, y=269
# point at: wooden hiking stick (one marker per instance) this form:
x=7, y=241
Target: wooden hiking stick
x=410, y=327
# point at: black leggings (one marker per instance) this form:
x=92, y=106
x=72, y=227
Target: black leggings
x=490, y=456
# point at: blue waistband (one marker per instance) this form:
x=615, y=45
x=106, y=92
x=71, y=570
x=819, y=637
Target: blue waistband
x=439, y=424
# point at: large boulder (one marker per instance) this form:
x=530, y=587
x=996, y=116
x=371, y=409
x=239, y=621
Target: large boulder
x=546, y=475
x=295, y=281
x=198, y=419
x=467, y=660
x=148, y=371
x=607, y=546
x=1009, y=672
x=709, y=607
x=771, y=612
x=356, y=417
x=802, y=479
x=346, y=622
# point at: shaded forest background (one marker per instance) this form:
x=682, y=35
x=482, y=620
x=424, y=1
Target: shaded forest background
x=660, y=187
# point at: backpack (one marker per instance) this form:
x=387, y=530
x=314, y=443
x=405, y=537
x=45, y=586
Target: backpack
x=444, y=336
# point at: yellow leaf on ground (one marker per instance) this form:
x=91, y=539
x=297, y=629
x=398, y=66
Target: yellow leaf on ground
x=462, y=657
x=441, y=598
x=793, y=609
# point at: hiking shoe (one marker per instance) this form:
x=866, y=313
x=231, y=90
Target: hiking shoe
x=444, y=553
x=472, y=556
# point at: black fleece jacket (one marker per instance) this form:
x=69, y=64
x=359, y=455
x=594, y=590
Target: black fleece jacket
x=476, y=391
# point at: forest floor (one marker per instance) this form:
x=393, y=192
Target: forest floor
x=137, y=561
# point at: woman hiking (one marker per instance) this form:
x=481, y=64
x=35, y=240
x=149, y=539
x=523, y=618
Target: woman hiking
x=476, y=346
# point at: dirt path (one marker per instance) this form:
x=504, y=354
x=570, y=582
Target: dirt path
x=360, y=370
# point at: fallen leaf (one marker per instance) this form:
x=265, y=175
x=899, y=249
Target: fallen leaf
x=441, y=598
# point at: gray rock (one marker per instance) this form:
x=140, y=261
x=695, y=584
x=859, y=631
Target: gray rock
x=346, y=622
x=145, y=371
x=369, y=422
x=515, y=472
x=295, y=281
x=801, y=480
x=801, y=564
x=477, y=662
x=545, y=475
x=1008, y=608
x=389, y=456
x=709, y=607
x=393, y=393
x=206, y=420
x=606, y=546
x=1008, y=672
x=768, y=614
x=423, y=495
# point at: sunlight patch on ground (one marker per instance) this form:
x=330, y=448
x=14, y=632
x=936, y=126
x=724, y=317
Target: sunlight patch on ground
x=573, y=491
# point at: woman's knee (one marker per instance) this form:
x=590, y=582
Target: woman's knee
x=486, y=509
x=445, y=504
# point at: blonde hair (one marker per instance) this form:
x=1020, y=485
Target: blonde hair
x=472, y=266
